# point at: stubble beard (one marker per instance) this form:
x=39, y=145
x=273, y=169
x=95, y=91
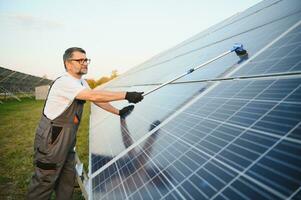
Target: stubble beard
x=82, y=72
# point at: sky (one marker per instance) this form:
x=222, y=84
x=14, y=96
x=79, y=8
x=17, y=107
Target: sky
x=116, y=34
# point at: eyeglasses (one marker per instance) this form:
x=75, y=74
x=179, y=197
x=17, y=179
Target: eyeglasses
x=82, y=61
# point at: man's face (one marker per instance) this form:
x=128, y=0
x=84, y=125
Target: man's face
x=78, y=64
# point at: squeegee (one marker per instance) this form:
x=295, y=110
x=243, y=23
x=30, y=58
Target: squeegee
x=237, y=48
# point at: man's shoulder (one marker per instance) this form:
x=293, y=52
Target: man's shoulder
x=67, y=83
x=64, y=79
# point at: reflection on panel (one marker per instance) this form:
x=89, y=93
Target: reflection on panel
x=233, y=142
x=107, y=140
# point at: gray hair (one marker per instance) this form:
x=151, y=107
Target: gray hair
x=69, y=53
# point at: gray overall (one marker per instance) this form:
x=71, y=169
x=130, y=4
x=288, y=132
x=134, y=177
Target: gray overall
x=54, y=156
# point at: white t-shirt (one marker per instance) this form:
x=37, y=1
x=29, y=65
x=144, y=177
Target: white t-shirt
x=62, y=94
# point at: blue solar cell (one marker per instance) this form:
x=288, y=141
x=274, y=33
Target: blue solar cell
x=245, y=189
x=279, y=169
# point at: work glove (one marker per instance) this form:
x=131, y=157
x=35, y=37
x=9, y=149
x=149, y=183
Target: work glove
x=124, y=112
x=134, y=97
x=154, y=125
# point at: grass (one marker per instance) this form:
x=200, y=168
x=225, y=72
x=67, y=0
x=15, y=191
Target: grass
x=18, y=121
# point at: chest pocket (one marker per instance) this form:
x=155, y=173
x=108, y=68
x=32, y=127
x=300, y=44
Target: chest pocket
x=78, y=112
x=55, y=132
x=80, y=101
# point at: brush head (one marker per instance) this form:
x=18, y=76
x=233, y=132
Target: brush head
x=239, y=50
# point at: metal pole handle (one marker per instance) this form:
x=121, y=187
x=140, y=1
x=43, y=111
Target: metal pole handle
x=188, y=72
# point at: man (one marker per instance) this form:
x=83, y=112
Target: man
x=54, y=161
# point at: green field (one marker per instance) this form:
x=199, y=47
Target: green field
x=17, y=127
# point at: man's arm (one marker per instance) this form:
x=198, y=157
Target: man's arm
x=100, y=95
x=124, y=112
x=107, y=96
x=108, y=107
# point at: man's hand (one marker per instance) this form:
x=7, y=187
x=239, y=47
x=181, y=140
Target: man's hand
x=124, y=112
x=134, y=97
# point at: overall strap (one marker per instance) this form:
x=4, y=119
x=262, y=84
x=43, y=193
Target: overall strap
x=48, y=95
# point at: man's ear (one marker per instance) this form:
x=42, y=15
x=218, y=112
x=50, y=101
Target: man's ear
x=67, y=64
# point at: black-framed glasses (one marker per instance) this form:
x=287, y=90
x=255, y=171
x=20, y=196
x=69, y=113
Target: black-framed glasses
x=82, y=61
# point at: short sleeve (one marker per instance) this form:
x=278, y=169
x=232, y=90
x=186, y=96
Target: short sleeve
x=86, y=84
x=69, y=88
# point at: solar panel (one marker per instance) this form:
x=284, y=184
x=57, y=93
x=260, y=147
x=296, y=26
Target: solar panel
x=15, y=82
x=234, y=137
x=262, y=24
x=284, y=56
x=235, y=129
x=166, y=101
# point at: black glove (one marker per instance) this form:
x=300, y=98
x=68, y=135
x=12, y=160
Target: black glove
x=134, y=97
x=154, y=125
x=124, y=112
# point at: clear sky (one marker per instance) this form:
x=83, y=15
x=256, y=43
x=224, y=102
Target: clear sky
x=117, y=34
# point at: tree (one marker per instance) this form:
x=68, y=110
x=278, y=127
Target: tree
x=93, y=84
x=102, y=80
x=114, y=74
